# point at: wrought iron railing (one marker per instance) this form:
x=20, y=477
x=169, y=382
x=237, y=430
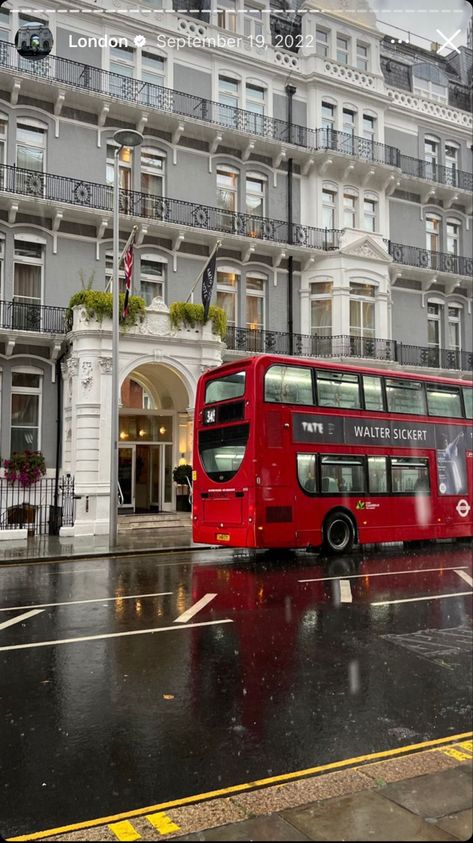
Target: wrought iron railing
x=95, y=80
x=305, y=345
x=41, y=508
x=86, y=194
x=436, y=172
x=426, y=259
x=24, y=316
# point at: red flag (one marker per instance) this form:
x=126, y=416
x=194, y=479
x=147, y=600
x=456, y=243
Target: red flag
x=128, y=266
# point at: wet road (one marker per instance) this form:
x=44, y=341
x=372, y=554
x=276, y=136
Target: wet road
x=129, y=682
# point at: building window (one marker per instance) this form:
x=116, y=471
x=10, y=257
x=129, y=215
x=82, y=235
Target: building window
x=453, y=237
x=362, y=316
x=227, y=197
x=321, y=315
x=27, y=285
x=454, y=333
x=153, y=68
x=1, y=275
x=369, y=214
x=430, y=90
x=227, y=14
x=255, y=202
x=125, y=158
x=434, y=319
x=451, y=163
x=5, y=26
x=227, y=286
x=328, y=207
x=122, y=66
x=3, y=141
x=432, y=229
x=321, y=42
x=255, y=104
x=342, y=49
x=25, y=411
x=431, y=157
x=152, y=180
x=152, y=278
x=349, y=209
x=362, y=56
x=349, y=121
x=109, y=274
x=30, y=146
x=328, y=115
x=369, y=127
x=252, y=21
x=255, y=295
x=228, y=97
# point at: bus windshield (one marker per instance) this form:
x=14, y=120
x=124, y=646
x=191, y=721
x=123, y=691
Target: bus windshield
x=221, y=389
x=222, y=450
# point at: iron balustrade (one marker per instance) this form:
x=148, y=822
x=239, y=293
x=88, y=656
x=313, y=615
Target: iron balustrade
x=259, y=341
x=450, y=176
x=41, y=508
x=26, y=316
x=86, y=194
x=426, y=259
x=95, y=80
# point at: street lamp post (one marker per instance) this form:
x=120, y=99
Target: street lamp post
x=123, y=138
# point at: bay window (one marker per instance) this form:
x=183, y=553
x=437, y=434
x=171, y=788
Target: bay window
x=362, y=317
x=321, y=315
x=369, y=213
x=321, y=42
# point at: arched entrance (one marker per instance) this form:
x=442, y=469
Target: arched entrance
x=155, y=434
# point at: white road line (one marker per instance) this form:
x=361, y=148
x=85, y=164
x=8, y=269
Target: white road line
x=464, y=576
x=385, y=573
x=20, y=618
x=110, y=635
x=345, y=592
x=192, y=610
x=415, y=599
x=91, y=600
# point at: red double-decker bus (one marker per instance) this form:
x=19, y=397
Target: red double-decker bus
x=293, y=453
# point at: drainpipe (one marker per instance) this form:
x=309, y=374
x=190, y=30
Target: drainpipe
x=290, y=91
x=58, y=440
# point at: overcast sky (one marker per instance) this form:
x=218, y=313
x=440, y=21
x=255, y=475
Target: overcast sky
x=424, y=17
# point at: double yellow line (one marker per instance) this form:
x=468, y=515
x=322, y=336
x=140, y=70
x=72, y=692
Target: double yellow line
x=239, y=788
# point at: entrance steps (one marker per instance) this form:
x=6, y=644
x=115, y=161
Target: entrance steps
x=154, y=521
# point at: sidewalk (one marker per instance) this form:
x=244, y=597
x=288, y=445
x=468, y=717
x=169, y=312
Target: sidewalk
x=416, y=795
x=52, y=548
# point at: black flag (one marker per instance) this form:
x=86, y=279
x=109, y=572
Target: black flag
x=207, y=284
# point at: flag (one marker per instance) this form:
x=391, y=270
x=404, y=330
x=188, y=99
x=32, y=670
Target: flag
x=128, y=267
x=207, y=284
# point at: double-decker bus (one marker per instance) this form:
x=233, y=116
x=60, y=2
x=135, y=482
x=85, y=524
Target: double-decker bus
x=295, y=453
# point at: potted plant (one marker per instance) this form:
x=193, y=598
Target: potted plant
x=182, y=476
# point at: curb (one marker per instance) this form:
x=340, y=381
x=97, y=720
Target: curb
x=145, y=551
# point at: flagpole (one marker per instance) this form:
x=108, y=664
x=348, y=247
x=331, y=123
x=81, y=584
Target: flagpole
x=218, y=243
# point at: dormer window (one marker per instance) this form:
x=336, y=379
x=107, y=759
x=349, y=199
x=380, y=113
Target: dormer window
x=430, y=82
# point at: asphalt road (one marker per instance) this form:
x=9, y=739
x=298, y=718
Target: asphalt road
x=129, y=682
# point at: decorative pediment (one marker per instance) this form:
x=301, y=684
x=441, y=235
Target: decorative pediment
x=366, y=247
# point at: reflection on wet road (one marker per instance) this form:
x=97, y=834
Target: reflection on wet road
x=137, y=681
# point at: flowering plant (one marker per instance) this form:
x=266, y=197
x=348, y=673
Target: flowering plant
x=25, y=467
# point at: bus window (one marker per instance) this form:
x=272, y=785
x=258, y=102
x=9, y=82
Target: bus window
x=444, y=401
x=221, y=389
x=338, y=389
x=410, y=475
x=468, y=399
x=377, y=475
x=405, y=396
x=288, y=385
x=306, y=472
x=222, y=450
x=342, y=474
x=373, y=393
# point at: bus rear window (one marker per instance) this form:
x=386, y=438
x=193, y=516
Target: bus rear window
x=222, y=389
x=222, y=450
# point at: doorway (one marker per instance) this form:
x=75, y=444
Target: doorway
x=145, y=477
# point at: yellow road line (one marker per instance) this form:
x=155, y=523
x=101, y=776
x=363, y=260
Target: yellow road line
x=124, y=831
x=162, y=823
x=238, y=788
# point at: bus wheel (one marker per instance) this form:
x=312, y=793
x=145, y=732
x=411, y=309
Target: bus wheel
x=339, y=533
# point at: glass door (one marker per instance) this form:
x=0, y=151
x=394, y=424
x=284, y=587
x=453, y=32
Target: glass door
x=126, y=477
x=161, y=487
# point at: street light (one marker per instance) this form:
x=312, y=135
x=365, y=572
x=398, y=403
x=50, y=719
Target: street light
x=123, y=138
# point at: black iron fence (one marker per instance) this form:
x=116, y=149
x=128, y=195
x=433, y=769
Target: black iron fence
x=95, y=80
x=41, y=508
x=26, y=316
x=305, y=345
x=426, y=259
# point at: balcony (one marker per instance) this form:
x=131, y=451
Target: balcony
x=172, y=105
x=424, y=259
x=163, y=212
x=39, y=318
x=248, y=341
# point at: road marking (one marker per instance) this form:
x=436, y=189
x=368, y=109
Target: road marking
x=162, y=823
x=345, y=592
x=192, y=610
x=109, y=635
x=416, y=599
x=91, y=600
x=456, y=754
x=387, y=573
x=20, y=618
x=240, y=788
x=124, y=831
x=464, y=576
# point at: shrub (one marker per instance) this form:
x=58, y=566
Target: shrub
x=25, y=467
x=100, y=304
x=182, y=473
x=185, y=313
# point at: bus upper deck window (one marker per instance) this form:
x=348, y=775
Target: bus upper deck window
x=468, y=399
x=288, y=385
x=338, y=389
x=224, y=388
x=405, y=396
x=444, y=401
x=373, y=390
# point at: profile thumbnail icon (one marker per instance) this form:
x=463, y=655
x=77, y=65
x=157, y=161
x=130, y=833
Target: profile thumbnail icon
x=34, y=41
